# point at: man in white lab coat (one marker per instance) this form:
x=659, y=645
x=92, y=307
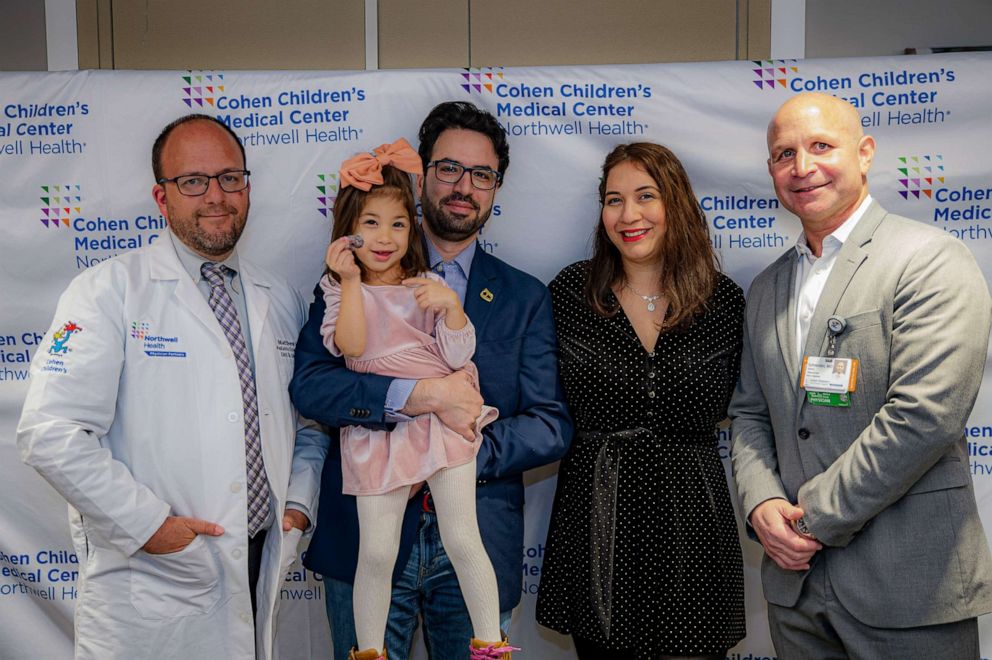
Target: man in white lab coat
x=160, y=412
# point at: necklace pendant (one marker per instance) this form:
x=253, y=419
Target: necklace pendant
x=651, y=306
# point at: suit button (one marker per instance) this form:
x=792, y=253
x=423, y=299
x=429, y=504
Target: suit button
x=803, y=434
x=353, y=412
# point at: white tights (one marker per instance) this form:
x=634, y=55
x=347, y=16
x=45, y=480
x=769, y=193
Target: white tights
x=380, y=518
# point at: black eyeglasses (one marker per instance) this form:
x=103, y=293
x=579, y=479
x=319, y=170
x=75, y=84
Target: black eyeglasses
x=194, y=185
x=451, y=171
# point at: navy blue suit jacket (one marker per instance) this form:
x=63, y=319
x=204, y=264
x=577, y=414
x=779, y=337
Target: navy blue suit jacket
x=516, y=354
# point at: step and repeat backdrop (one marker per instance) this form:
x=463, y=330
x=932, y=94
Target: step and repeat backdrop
x=75, y=189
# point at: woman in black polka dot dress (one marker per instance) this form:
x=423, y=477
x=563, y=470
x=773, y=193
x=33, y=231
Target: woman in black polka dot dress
x=643, y=558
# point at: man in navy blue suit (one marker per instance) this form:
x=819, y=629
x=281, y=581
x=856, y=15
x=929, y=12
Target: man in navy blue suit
x=465, y=155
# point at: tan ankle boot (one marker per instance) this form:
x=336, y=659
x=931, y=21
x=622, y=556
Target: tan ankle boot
x=367, y=654
x=480, y=650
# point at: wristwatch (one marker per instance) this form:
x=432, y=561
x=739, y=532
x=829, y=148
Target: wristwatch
x=800, y=527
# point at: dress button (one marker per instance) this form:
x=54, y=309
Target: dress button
x=236, y=553
x=651, y=375
x=232, y=416
x=236, y=487
x=803, y=434
x=650, y=413
x=651, y=395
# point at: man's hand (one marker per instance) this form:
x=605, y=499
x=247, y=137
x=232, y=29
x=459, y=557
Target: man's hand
x=772, y=521
x=453, y=398
x=177, y=532
x=294, y=518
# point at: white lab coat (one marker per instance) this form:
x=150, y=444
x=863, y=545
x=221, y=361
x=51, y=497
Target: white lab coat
x=140, y=418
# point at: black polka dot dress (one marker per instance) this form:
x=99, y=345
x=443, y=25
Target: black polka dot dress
x=642, y=548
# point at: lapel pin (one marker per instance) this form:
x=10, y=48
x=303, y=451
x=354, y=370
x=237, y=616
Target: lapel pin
x=486, y=295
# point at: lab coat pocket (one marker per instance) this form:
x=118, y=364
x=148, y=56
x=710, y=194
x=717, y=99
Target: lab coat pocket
x=176, y=584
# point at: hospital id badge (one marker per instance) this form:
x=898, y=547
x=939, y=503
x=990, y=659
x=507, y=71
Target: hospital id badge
x=829, y=381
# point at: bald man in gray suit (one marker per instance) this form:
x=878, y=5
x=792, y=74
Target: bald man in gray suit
x=858, y=488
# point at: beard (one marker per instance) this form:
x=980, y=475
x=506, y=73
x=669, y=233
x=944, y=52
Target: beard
x=450, y=227
x=209, y=243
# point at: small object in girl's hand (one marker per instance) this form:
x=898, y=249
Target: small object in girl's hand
x=355, y=241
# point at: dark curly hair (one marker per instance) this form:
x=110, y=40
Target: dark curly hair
x=464, y=115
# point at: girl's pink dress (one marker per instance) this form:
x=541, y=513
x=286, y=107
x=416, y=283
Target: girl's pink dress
x=404, y=341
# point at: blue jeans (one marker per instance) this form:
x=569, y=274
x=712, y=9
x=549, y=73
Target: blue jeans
x=427, y=590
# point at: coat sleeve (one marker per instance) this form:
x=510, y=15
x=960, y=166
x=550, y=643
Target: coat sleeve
x=753, y=451
x=940, y=331
x=309, y=451
x=70, y=407
x=312, y=443
x=325, y=390
x=539, y=431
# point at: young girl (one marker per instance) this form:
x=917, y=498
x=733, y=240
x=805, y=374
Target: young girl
x=387, y=315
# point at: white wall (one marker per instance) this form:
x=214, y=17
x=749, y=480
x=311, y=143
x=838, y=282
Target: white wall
x=849, y=28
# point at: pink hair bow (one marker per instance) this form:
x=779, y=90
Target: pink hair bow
x=365, y=170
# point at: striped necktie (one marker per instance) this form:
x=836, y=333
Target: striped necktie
x=220, y=301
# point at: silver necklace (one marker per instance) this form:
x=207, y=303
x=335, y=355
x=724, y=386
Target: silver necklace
x=650, y=300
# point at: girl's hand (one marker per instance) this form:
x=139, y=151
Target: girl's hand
x=433, y=295
x=341, y=260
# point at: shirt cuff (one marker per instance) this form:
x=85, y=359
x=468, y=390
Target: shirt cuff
x=396, y=398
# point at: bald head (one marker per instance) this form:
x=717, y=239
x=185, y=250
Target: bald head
x=836, y=110
x=819, y=157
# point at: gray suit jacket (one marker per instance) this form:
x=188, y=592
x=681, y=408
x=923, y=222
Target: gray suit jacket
x=885, y=484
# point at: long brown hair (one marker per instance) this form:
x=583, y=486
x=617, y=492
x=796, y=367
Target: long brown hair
x=689, y=264
x=348, y=208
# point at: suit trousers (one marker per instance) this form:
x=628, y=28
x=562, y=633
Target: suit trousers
x=819, y=626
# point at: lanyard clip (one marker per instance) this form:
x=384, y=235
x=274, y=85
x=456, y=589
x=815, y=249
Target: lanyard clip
x=835, y=326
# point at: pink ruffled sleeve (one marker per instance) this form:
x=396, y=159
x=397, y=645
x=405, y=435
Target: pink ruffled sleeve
x=332, y=299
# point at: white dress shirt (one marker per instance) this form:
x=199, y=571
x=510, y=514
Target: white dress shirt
x=812, y=272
